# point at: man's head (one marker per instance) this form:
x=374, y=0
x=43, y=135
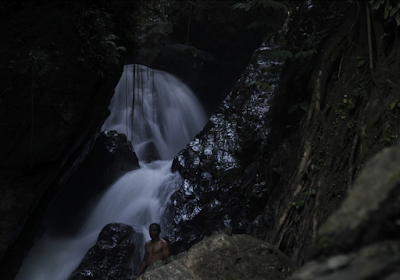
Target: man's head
x=154, y=230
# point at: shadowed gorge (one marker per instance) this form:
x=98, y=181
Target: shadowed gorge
x=253, y=131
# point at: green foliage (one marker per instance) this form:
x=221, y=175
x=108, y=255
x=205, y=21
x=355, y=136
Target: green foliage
x=361, y=87
x=303, y=106
x=154, y=11
x=392, y=84
x=393, y=104
x=100, y=50
x=298, y=204
x=361, y=61
x=261, y=85
x=391, y=10
x=280, y=54
x=305, y=196
x=263, y=4
x=303, y=54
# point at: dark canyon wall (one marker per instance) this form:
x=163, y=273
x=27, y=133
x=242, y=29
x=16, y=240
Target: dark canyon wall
x=279, y=175
x=60, y=63
x=276, y=175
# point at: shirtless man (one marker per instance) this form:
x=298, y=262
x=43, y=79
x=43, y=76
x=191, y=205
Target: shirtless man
x=155, y=249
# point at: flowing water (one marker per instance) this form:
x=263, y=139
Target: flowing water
x=166, y=116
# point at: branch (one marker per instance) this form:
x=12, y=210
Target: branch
x=371, y=63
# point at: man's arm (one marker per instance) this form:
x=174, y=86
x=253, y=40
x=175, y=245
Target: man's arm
x=165, y=251
x=143, y=264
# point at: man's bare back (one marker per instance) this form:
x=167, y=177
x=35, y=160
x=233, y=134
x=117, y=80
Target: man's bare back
x=154, y=250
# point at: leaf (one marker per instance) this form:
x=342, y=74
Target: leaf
x=393, y=104
x=274, y=5
x=310, y=40
x=251, y=83
x=375, y=6
x=304, y=106
x=313, y=166
x=384, y=35
x=351, y=106
x=386, y=13
x=361, y=63
x=279, y=53
x=245, y=6
x=305, y=53
x=266, y=68
x=393, y=11
x=265, y=86
x=293, y=108
x=239, y=6
x=112, y=37
x=258, y=24
x=286, y=54
x=111, y=43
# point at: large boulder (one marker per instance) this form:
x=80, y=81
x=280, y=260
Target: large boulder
x=222, y=256
x=361, y=239
x=225, y=182
x=114, y=256
x=111, y=157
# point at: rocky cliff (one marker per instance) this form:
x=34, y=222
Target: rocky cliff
x=277, y=175
x=60, y=63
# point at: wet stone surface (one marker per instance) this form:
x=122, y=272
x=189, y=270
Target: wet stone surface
x=224, y=184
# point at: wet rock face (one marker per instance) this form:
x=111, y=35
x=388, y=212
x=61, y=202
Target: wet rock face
x=224, y=183
x=206, y=202
x=360, y=240
x=112, y=156
x=222, y=256
x=112, y=257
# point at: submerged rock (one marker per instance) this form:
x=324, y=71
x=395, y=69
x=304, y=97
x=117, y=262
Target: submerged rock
x=112, y=257
x=226, y=257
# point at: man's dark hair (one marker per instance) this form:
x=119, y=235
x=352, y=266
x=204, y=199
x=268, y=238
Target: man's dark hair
x=157, y=225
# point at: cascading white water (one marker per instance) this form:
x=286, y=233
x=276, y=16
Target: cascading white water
x=166, y=114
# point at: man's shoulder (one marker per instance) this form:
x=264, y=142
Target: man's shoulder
x=164, y=242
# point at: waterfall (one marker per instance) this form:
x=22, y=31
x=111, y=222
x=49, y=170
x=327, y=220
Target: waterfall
x=166, y=116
